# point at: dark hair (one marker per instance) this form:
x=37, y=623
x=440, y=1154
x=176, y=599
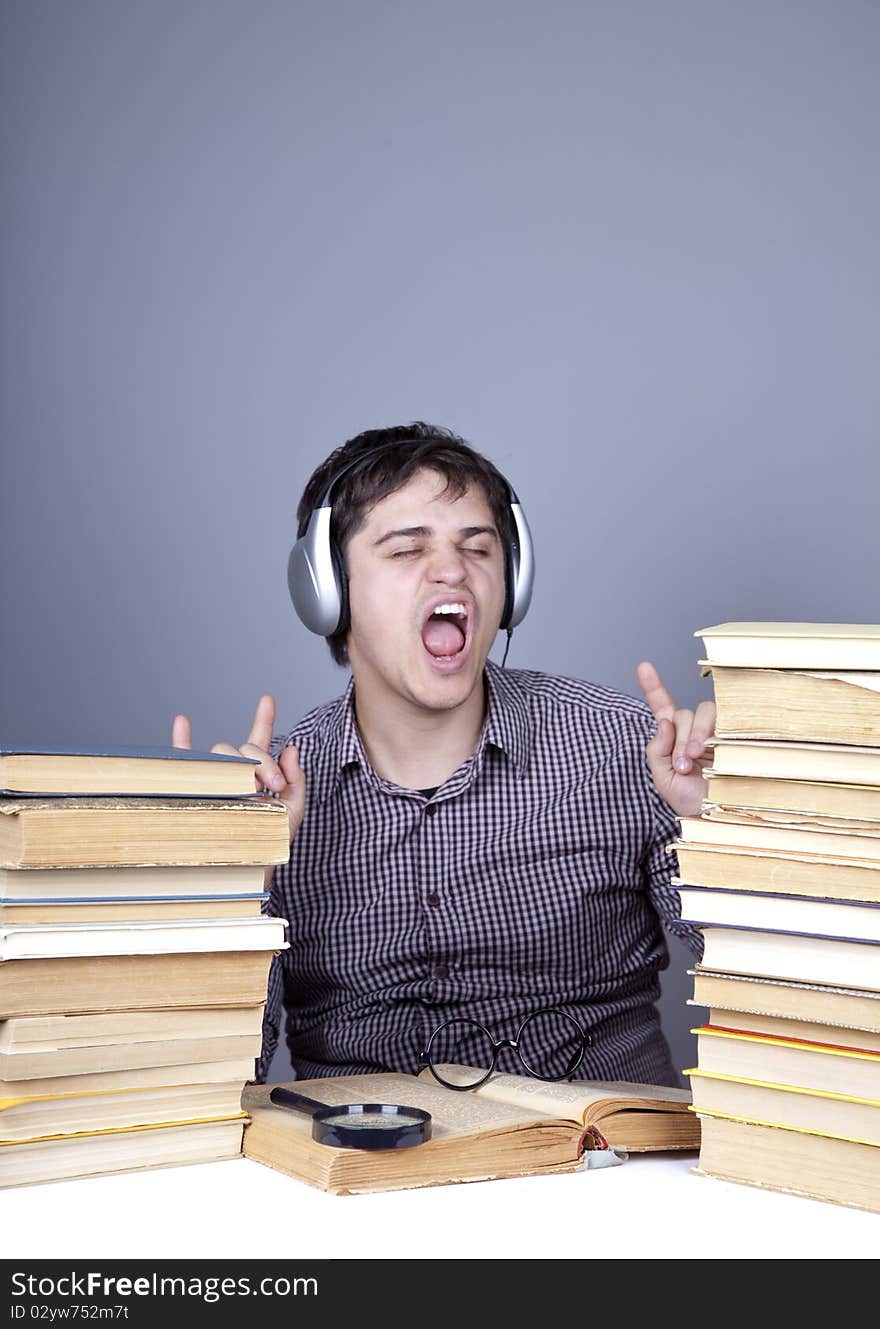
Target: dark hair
x=386, y=468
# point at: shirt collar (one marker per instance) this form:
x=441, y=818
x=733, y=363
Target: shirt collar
x=506, y=727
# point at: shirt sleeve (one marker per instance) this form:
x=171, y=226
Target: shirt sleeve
x=661, y=865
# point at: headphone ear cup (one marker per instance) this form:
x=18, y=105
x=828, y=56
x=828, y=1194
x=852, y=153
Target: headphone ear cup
x=341, y=577
x=509, y=588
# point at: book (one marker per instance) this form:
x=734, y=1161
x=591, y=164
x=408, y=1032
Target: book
x=163, y=771
x=77, y=912
x=143, y=1077
x=813, y=1031
x=793, y=819
x=806, y=959
x=42, y=1032
x=750, y=833
x=852, y=1071
x=813, y=1110
x=848, y=802
x=793, y=645
x=474, y=1137
x=177, y=881
x=47, y=1060
x=840, y=1171
x=750, y=869
x=786, y=999
x=72, y=1114
x=174, y=936
x=701, y=905
x=85, y=984
x=139, y=832
x=786, y=759
x=94, y=1154
x=821, y=707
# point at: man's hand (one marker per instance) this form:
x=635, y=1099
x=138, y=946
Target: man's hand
x=285, y=778
x=677, y=753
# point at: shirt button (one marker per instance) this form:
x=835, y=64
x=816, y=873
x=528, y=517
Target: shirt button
x=441, y=971
x=434, y=900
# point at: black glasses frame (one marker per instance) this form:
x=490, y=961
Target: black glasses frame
x=426, y=1057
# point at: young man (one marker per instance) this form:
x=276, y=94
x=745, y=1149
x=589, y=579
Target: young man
x=477, y=843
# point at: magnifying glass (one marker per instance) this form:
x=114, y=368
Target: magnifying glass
x=359, y=1125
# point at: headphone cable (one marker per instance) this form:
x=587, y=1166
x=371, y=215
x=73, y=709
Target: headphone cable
x=507, y=647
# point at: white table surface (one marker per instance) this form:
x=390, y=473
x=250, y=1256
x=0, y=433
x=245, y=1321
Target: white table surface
x=652, y=1206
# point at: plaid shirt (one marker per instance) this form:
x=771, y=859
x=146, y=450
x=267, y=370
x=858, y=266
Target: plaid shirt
x=536, y=875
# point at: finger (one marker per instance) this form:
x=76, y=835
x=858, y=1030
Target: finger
x=656, y=695
x=702, y=728
x=659, y=752
x=227, y=749
x=683, y=721
x=181, y=732
x=263, y=723
x=294, y=794
x=268, y=772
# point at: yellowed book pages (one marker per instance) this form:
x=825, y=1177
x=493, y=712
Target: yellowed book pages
x=787, y=759
x=729, y=867
x=793, y=645
x=133, y=1150
x=844, y=1006
x=82, y=984
x=814, y=1031
x=40, y=1033
x=476, y=1136
x=791, y=704
x=142, y=771
x=72, y=1114
x=143, y=1077
x=793, y=799
x=472, y=1139
x=848, y=1071
x=796, y=1162
x=767, y=1104
x=630, y=1116
x=104, y=832
x=144, y=911
x=111, y=883
x=750, y=833
x=103, y=1057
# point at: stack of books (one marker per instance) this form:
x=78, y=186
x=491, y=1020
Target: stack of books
x=781, y=872
x=134, y=956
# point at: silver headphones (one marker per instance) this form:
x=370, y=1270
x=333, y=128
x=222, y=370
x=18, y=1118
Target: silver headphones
x=318, y=583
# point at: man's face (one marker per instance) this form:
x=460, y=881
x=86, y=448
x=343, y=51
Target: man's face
x=426, y=593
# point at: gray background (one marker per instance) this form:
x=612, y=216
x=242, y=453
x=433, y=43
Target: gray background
x=628, y=249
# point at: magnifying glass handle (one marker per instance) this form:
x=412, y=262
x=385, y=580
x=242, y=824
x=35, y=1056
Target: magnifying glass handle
x=296, y=1102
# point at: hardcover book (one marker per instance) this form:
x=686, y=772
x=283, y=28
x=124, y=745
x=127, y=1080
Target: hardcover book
x=840, y=1171
x=96, y=1153
x=521, y=1127
x=793, y=645
x=161, y=771
x=817, y=706
x=786, y=999
x=139, y=832
x=81, y=984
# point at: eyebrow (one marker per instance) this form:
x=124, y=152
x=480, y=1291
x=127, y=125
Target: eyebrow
x=421, y=532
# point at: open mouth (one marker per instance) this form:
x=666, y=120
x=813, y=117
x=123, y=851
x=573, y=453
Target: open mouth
x=445, y=633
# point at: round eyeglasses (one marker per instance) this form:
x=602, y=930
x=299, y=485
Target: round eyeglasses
x=462, y=1054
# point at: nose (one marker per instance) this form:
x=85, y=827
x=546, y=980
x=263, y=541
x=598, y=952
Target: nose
x=446, y=565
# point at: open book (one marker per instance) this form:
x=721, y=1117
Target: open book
x=511, y=1126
